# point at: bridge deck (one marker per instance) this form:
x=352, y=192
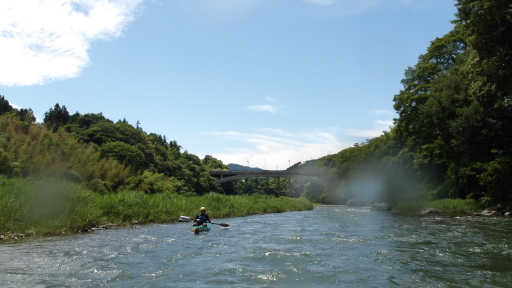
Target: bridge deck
x=228, y=175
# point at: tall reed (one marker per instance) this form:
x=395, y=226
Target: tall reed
x=51, y=206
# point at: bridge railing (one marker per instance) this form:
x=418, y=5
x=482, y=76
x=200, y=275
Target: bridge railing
x=229, y=175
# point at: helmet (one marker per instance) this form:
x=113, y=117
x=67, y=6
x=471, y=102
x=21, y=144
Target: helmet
x=202, y=209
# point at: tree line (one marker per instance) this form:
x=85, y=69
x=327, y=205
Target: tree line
x=105, y=156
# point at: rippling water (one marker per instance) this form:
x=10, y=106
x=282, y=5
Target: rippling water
x=331, y=246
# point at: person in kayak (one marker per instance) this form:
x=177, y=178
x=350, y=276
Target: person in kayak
x=202, y=217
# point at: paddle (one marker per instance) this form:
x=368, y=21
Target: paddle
x=187, y=219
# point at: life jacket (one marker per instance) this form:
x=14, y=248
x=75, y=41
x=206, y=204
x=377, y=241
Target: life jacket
x=202, y=218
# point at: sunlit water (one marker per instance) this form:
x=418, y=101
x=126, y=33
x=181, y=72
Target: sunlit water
x=335, y=246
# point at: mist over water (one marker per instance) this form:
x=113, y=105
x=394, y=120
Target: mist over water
x=331, y=246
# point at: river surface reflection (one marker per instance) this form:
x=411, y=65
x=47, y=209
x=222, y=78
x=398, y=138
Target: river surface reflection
x=330, y=246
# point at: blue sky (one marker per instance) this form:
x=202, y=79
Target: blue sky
x=261, y=82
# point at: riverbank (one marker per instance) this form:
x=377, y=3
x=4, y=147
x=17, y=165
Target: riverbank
x=50, y=207
x=446, y=206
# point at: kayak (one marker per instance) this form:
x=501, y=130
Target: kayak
x=202, y=228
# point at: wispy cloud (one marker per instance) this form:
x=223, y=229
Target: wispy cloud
x=380, y=125
x=46, y=40
x=320, y=2
x=346, y=7
x=384, y=122
x=367, y=133
x=382, y=112
x=263, y=108
x=370, y=133
x=271, y=148
x=218, y=10
x=228, y=10
x=274, y=131
x=228, y=7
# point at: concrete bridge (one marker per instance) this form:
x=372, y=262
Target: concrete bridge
x=230, y=175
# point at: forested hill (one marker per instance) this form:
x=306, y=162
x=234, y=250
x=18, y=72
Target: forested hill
x=106, y=156
x=453, y=134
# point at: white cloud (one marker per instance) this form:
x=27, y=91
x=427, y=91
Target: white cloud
x=46, y=40
x=265, y=108
x=274, y=149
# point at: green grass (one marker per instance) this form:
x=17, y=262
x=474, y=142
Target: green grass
x=449, y=206
x=52, y=207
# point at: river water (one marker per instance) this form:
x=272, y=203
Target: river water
x=330, y=246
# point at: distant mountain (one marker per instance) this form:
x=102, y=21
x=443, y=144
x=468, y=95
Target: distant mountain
x=237, y=167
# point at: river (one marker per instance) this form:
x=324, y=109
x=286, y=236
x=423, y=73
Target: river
x=330, y=246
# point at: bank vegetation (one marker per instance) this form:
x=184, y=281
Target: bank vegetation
x=54, y=207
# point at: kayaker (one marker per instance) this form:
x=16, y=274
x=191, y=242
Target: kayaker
x=202, y=217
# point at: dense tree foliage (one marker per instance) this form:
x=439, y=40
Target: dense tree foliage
x=93, y=150
x=452, y=135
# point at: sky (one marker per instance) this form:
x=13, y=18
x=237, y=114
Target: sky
x=259, y=83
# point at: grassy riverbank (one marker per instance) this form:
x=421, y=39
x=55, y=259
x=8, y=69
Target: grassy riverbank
x=49, y=207
x=448, y=206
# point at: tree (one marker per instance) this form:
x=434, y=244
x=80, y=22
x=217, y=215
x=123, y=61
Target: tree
x=488, y=118
x=27, y=115
x=211, y=163
x=5, y=107
x=435, y=90
x=56, y=117
x=87, y=120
